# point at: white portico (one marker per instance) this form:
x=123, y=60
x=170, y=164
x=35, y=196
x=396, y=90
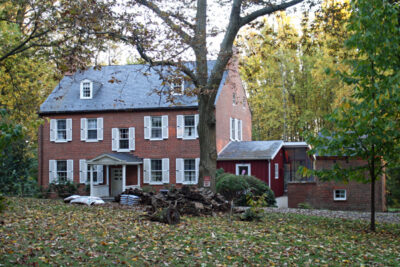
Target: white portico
x=122, y=171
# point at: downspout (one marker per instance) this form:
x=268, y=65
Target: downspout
x=269, y=173
x=41, y=154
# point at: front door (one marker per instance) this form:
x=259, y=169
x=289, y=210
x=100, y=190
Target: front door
x=116, y=181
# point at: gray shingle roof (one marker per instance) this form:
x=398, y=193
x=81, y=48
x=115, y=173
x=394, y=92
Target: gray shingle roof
x=248, y=150
x=133, y=88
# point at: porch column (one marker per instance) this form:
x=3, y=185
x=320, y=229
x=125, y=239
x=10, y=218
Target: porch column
x=138, y=175
x=91, y=180
x=123, y=177
x=108, y=174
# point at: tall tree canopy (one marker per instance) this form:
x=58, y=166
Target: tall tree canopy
x=368, y=125
x=284, y=69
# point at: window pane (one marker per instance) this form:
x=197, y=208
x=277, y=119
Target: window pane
x=190, y=176
x=156, y=165
x=189, y=165
x=189, y=120
x=94, y=173
x=61, y=134
x=155, y=121
x=156, y=132
x=61, y=124
x=62, y=170
x=92, y=123
x=123, y=133
x=86, y=89
x=92, y=134
x=124, y=144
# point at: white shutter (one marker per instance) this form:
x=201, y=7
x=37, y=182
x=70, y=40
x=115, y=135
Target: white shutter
x=69, y=129
x=196, y=124
x=240, y=130
x=70, y=170
x=231, y=128
x=165, y=170
x=53, y=130
x=165, y=127
x=236, y=130
x=197, y=161
x=52, y=171
x=146, y=127
x=146, y=171
x=179, y=126
x=100, y=174
x=179, y=171
x=99, y=128
x=132, y=138
x=83, y=171
x=83, y=129
x=114, y=139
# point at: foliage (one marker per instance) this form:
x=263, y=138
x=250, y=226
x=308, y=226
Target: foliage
x=48, y=232
x=367, y=126
x=252, y=215
x=257, y=188
x=219, y=172
x=232, y=186
x=255, y=212
x=304, y=205
x=17, y=167
x=393, y=187
x=148, y=189
x=3, y=203
x=283, y=68
x=63, y=188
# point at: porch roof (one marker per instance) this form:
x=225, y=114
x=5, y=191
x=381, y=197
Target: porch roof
x=115, y=159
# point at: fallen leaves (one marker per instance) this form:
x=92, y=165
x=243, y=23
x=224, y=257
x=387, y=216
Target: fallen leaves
x=40, y=232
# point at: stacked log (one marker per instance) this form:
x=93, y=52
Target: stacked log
x=187, y=200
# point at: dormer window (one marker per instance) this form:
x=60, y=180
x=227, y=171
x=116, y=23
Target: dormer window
x=86, y=89
x=177, y=87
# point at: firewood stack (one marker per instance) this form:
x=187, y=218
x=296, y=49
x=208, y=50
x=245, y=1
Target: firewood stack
x=187, y=200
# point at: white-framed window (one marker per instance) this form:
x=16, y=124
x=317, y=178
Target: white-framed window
x=234, y=99
x=91, y=129
x=178, y=87
x=244, y=101
x=339, y=194
x=86, y=89
x=187, y=171
x=276, y=170
x=236, y=129
x=61, y=171
x=156, y=171
x=60, y=130
x=123, y=139
x=243, y=169
x=186, y=126
x=84, y=173
x=156, y=127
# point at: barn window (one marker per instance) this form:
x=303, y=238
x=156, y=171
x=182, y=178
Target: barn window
x=339, y=194
x=276, y=170
x=243, y=169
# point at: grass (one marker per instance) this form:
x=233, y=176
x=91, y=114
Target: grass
x=49, y=232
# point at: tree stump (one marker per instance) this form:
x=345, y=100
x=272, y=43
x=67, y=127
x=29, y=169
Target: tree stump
x=168, y=215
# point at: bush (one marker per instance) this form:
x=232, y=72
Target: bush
x=3, y=203
x=251, y=215
x=64, y=189
x=231, y=186
x=393, y=187
x=304, y=205
x=257, y=188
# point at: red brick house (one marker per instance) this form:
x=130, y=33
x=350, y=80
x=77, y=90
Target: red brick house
x=108, y=128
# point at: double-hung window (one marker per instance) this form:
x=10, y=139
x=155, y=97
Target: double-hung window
x=156, y=127
x=94, y=171
x=186, y=126
x=187, y=171
x=86, y=89
x=156, y=171
x=61, y=171
x=123, y=139
x=91, y=129
x=236, y=129
x=85, y=170
x=60, y=130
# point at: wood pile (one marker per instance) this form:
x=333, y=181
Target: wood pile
x=187, y=200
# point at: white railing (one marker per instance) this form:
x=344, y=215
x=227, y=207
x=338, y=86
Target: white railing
x=100, y=191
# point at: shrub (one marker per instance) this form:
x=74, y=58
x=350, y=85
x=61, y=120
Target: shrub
x=304, y=205
x=218, y=173
x=257, y=188
x=231, y=186
x=3, y=203
x=64, y=189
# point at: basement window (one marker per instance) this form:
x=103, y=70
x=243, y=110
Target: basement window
x=339, y=194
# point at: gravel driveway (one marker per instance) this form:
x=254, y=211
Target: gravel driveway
x=385, y=217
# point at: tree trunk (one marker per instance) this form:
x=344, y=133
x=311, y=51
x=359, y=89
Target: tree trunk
x=372, y=225
x=207, y=138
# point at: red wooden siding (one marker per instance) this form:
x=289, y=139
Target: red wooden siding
x=277, y=184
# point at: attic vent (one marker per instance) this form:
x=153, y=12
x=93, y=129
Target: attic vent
x=86, y=89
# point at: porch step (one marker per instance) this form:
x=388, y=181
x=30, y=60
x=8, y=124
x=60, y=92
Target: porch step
x=108, y=199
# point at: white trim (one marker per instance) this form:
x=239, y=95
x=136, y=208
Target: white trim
x=179, y=126
x=269, y=173
x=276, y=152
x=179, y=171
x=248, y=165
x=91, y=89
x=182, y=85
x=164, y=127
x=339, y=198
x=276, y=169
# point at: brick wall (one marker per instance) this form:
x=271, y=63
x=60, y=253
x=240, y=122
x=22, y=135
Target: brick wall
x=320, y=194
x=225, y=109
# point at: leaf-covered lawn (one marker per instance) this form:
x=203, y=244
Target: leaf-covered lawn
x=49, y=232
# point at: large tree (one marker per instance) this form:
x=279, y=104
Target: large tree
x=367, y=126
x=165, y=34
